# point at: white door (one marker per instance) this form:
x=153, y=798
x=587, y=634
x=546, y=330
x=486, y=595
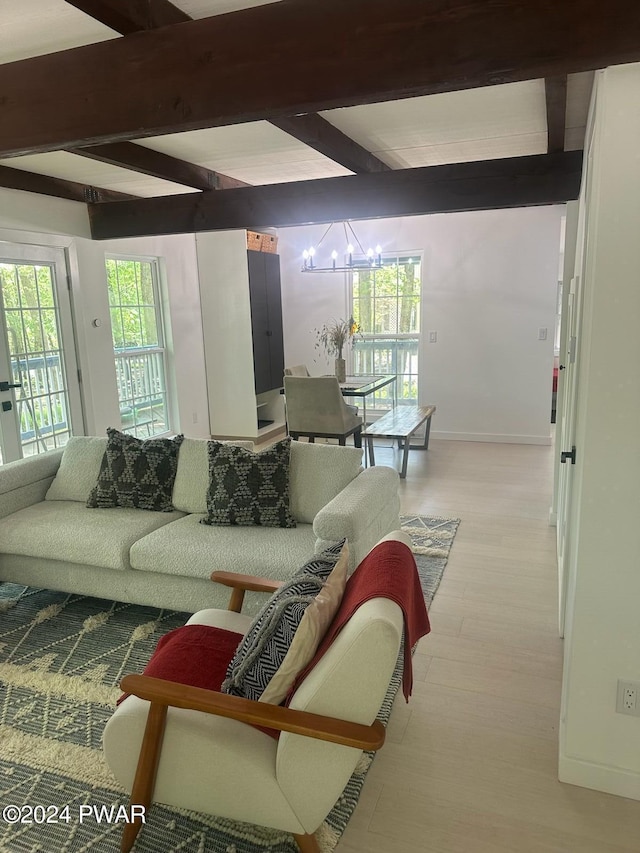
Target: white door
x=39, y=390
x=565, y=437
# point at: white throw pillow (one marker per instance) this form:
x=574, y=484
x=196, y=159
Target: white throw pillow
x=192, y=477
x=79, y=468
x=317, y=473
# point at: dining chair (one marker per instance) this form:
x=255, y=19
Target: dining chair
x=316, y=408
x=297, y=370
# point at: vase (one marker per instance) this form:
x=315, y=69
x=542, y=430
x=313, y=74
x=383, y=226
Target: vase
x=341, y=369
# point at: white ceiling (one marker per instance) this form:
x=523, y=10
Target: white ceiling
x=475, y=124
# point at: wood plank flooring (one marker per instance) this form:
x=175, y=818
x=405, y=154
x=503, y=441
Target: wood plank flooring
x=470, y=764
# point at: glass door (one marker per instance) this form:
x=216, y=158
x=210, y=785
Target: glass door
x=39, y=389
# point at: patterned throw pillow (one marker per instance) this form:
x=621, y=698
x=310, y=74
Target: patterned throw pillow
x=249, y=488
x=262, y=653
x=136, y=473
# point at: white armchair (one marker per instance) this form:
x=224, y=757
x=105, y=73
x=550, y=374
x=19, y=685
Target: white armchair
x=199, y=749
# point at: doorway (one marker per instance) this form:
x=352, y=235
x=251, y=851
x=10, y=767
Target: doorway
x=39, y=389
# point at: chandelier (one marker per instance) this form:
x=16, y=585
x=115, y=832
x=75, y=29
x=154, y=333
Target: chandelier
x=370, y=259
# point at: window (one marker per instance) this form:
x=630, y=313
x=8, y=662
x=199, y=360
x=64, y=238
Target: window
x=386, y=305
x=138, y=345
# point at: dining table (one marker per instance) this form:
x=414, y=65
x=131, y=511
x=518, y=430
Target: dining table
x=364, y=386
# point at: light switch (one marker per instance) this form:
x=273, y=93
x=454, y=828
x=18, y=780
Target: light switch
x=433, y=337
x=542, y=333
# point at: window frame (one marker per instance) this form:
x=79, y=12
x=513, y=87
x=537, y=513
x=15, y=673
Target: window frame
x=160, y=348
x=383, y=402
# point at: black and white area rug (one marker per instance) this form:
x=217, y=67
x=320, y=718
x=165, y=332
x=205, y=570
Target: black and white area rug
x=61, y=658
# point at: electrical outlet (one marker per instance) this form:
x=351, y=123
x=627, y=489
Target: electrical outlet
x=628, y=698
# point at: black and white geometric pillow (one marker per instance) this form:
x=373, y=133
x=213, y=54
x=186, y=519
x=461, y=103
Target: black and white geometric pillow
x=266, y=642
x=136, y=473
x=249, y=488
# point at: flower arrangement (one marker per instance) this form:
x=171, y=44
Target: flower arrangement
x=335, y=335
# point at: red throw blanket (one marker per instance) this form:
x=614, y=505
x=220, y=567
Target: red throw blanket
x=388, y=571
x=197, y=655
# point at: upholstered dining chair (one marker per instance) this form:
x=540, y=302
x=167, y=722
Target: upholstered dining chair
x=202, y=750
x=297, y=370
x=316, y=408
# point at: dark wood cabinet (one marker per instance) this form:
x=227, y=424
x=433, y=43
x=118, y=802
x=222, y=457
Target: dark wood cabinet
x=266, y=320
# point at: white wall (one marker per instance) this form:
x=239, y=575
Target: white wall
x=226, y=320
x=489, y=284
x=40, y=213
x=600, y=748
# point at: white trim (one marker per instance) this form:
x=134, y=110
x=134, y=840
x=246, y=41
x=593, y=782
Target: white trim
x=599, y=777
x=502, y=438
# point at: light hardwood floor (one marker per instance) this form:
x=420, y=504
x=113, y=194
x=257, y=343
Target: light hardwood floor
x=470, y=764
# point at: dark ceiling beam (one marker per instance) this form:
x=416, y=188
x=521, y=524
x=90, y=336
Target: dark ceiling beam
x=490, y=184
x=131, y=16
x=555, y=89
x=318, y=133
x=157, y=165
x=311, y=129
x=298, y=57
x=31, y=182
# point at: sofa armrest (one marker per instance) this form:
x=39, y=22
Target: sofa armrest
x=27, y=481
x=361, y=501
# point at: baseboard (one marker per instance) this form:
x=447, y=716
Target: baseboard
x=599, y=777
x=504, y=438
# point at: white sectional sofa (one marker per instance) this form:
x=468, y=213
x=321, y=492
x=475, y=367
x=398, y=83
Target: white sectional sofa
x=49, y=538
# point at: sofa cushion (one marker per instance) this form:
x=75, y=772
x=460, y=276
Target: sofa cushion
x=135, y=473
x=272, y=633
x=192, y=476
x=248, y=488
x=318, y=472
x=187, y=547
x=68, y=531
x=79, y=469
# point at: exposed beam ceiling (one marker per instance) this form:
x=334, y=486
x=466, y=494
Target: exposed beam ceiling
x=556, y=98
x=131, y=16
x=513, y=182
x=311, y=129
x=158, y=165
x=318, y=133
x=18, y=179
x=257, y=63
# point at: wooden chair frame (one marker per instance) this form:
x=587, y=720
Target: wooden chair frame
x=163, y=695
